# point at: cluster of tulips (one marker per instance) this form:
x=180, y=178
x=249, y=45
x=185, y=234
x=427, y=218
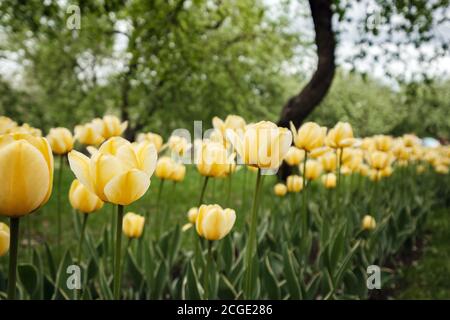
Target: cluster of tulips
x=118, y=172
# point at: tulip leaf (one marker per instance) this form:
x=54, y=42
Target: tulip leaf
x=50, y=262
x=292, y=280
x=160, y=279
x=29, y=277
x=226, y=288
x=270, y=281
x=193, y=290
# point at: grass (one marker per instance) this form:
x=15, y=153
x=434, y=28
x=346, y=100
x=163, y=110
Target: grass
x=429, y=277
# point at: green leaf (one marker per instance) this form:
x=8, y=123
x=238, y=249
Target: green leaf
x=29, y=277
x=292, y=281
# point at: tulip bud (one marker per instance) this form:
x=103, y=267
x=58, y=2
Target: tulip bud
x=133, y=225
x=329, y=180
x=294, y=183
x=310, y=136
x=179, y=171
x=178, y=145
x=26, y=171
x=82, y=199
x=341, y=136
x=441, y=169
x=213, y=222
x=4, y=239
x=313, y=169
x=378, y=160
x=192, y=214
x=383, y=143
x=368, y=223
x=112, y=127
x=294, y=156
x=280, y=189
x=61, y=140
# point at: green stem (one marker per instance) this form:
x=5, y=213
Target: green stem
x=229, y=186
x=117, y=269
x=80, y=245
x=202, y=194
x=157, y=213
x=305, y=209
x=208, y=266
x=251, y=245
x=14, y=227
x=339, y=153
x=59, y=222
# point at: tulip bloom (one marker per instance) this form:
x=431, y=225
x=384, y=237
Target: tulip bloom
x=7, y=125
x=165, y=168
x=329, y=180
x=110, y=126
x=153, y=138
x=309, y=137
x=213, y=222
x=4, y=239
x=192, y=215
x=313, y=169
x=378, y=160
x=178, y=173
x=280, y=189
x=294, y=183
x=133, y=225
x=212, y=159
x=383, y=143
x=368, y=223
x=341, y=136
x=179, y=145
x=26, y=168
x=263, y=145
x=82, y=199
x=294, y=156
x=88, y=135
x=118, y=173
x=328, y=162
x=61, y=140
x=232, y=122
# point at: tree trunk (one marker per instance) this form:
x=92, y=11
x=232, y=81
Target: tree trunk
x=300, y=106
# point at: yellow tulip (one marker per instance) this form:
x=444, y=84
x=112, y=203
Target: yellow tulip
x=232, y=122
x=387, y=172
x=7, y=125
x=400, y=151
x=110, y=126
x=263, y=144
x=294, y=156
x=178, y=173
x=165, y=168
x=4, y=239
x=178, y=145
x=213, y=222
x=151, y=137
x=410, y=140
x=368, y=223
x=133, y=225
x=329, y=180
x=26, y=171
x=341, y=136
x=309, y=137
x=420, y=169
x=294, y=183
x=280, y=189
x=27, y=129
x=383, y=143
x=368, y=144
x=441, y=169
x=313, y=169
x=378, y=160
x=328, y=162
x=82, y=199
x=192, y=215
x=61, y=140
x=119, y=172
x=212, y=159
x=363, y=169
x=88, y=135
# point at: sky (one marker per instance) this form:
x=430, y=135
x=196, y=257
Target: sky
x=408, y=66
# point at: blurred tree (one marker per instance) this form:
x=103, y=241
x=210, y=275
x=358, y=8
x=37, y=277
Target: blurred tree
x=390, y=25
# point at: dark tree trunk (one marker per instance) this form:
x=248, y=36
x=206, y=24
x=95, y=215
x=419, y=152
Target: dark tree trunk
x=300, y=106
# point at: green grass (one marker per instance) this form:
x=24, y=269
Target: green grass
x=429, y=277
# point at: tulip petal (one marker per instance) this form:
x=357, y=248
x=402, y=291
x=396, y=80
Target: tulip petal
x=79, y=164
x=127, y=187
